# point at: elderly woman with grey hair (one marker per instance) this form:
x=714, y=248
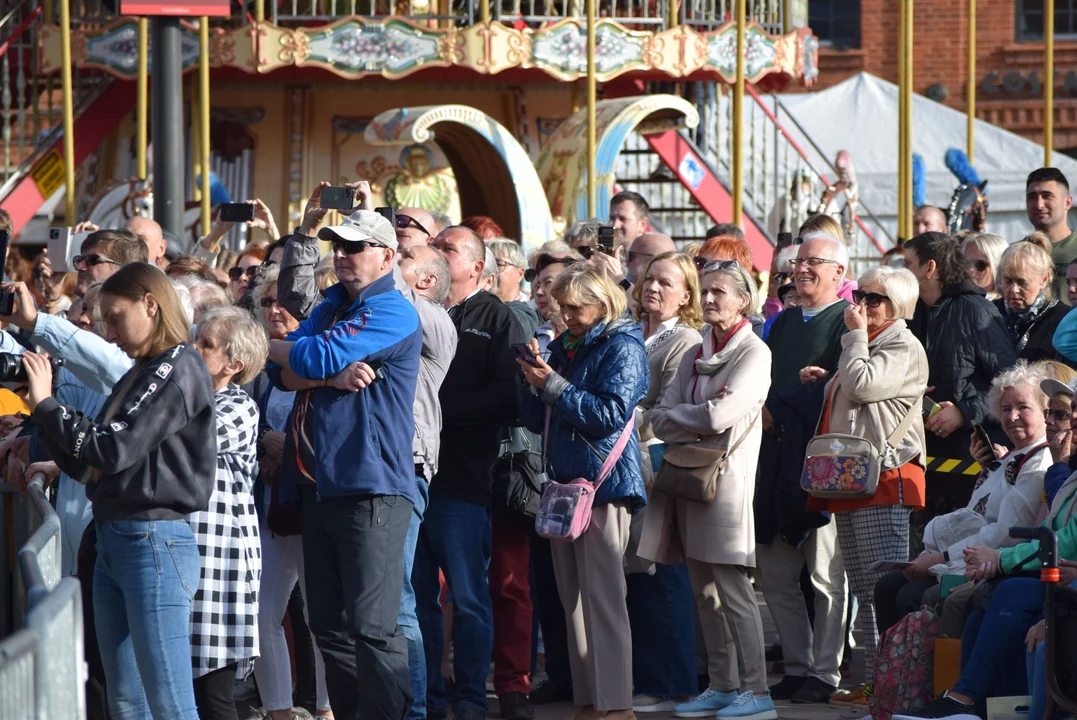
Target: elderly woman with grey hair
x=511, y=265
x=881, y=378
x=715, y=401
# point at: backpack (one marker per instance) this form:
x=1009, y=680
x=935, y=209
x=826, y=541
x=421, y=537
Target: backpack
x=904, y=666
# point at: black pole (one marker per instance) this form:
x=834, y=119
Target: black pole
x=167, y=122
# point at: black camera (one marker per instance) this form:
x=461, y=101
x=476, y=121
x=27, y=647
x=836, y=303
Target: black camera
x=13, y=371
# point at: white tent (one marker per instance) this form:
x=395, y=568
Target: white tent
x=861, y=115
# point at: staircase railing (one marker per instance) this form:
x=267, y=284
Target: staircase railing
x=31, y=116
x=782, y=185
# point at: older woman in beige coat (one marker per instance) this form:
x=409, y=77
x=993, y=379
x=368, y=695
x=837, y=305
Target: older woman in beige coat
x=881, y=377
x=715, y=400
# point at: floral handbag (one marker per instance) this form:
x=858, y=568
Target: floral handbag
x=842, y=466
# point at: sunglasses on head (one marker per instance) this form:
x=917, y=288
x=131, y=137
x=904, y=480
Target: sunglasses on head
x=354, y=247
x=872, y=300
x=91, y=259
x=403, y=222
x=544, y=261
x=719, y=265
x=237, y=273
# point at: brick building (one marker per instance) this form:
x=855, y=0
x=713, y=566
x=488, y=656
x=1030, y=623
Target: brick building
x=862, y=35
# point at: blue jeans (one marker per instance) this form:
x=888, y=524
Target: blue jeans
x=993, y=642
x=1036, y=670
x=408, y=621
x=455, y=537
x=661, y=612
x=144, y=580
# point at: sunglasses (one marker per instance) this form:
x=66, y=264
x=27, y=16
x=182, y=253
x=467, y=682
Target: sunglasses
x=1059, y=416
x=268, y=302
x=544, y=261
x=403, y=222
x=719, y=265
x=981, y=265
x=354, y=247
x=236, y=273
x=872, y=300
x=91, y=259
x=586, y=251
x=700, y=262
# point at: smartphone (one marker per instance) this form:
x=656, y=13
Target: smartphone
x=61, y=243
x=605, y=239
x=379, y=372
x=984, y=437
x=338, y=198
x=931, y=408
x=523, y=352
x=388, y=214
x=236, y=212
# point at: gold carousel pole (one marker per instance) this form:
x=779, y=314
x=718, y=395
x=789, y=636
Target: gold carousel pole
x=592, y=93
x=259, y=11
x=141, y=106
x=970, y=142
x=903, y=211
x=910, y=77
x=203, y=107
x=738, y=116
x=1048, y=80
x=69, y=112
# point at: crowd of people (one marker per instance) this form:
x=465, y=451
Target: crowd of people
x=324, y=471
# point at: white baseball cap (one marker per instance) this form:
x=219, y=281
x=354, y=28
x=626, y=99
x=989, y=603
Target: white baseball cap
x=1052, y=387
x=362, y=225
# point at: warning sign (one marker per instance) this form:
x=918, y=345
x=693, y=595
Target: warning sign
x=48, y=174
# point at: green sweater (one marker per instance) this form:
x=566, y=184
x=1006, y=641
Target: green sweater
x=1063, y=522
x=1063, y=253
x=795, y=344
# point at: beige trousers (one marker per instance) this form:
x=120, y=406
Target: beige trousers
x=591, y=583
x=732, y=628
x=807, y=651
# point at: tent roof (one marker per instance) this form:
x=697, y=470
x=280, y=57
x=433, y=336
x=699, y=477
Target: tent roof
x=861, y=115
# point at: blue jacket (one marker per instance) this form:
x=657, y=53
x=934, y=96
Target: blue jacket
x=362, y=440
x=592, y=397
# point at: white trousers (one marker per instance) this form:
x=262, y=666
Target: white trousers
x=807, y=651
x=282, y=565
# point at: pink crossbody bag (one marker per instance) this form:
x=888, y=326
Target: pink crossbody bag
x=564, y=512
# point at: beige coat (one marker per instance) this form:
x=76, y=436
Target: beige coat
x=663, y=359
x=878, y=382
x=723, y=531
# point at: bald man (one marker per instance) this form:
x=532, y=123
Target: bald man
x=929, y=218
x=149, y=232
x=414, y=226
x=643, y=249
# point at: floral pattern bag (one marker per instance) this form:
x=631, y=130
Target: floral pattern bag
x=843, y=466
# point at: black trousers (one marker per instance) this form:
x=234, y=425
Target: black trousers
x=896, y=596
x=551, y=615
x=306, y=689
x=353, y=550
x=213, y=694
x=85, y=562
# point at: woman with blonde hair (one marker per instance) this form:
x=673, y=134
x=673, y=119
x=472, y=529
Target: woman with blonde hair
x=148, y=460
x=660, y=606
x=1031, y=313
x=984, y=254
x=582, y=401
x=715, y=402
x=881, y=378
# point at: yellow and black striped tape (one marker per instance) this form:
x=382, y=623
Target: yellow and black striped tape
x=957, y=467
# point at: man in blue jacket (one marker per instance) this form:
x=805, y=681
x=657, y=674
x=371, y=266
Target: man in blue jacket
x=350, y=454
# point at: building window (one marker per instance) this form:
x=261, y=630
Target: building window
x=1030, y=19
x=837, y=22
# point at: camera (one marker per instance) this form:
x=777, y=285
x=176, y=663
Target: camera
x=13, y=371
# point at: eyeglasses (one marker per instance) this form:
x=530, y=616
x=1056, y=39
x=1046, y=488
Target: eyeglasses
x=91, y=259
x=872, y=300
x=237, y=273
x=405, y=221
x=981, y=265
x=502, y=264
x=812, y=262
x=1059, y=416
x=354, y=247
x=268, y=302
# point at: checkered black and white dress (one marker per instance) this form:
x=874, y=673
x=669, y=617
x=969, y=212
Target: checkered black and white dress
x=224, y=614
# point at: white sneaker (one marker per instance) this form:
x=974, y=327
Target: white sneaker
x=654, y=703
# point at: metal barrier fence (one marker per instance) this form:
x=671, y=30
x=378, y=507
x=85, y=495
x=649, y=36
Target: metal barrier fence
x=42, y=668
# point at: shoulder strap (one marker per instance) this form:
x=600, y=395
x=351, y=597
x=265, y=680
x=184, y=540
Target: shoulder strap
x=618, y=449
x=906, y=423
x=743, y=436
